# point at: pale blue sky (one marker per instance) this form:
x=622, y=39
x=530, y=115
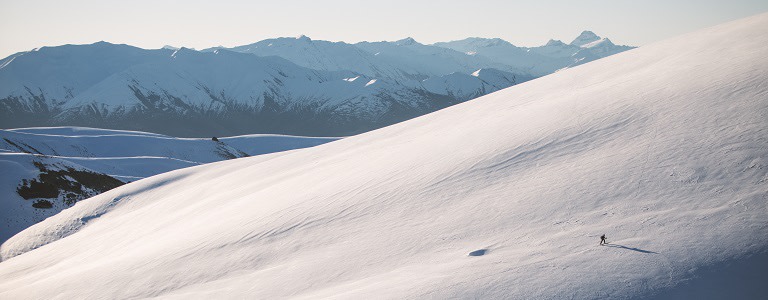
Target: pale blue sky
x=27, y=24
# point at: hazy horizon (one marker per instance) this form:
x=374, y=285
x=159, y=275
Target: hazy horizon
x=198, y=24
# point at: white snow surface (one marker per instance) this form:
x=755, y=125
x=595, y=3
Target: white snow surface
x=664, y=149
x=124, y=155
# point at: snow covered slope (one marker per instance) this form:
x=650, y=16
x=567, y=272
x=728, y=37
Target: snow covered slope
x=74, y=163
x=34, y=187
x=664, y=149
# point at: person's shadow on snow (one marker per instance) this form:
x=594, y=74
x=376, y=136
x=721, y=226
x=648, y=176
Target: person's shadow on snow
x=629, y=248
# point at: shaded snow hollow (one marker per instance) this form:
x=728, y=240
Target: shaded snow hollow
x=664, y=149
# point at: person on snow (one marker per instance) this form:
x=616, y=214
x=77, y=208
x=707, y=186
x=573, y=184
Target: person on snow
x=602, y=240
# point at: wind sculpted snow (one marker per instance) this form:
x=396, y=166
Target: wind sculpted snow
x=662, y=149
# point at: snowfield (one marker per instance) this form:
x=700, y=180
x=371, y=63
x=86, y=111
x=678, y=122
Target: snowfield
x=664, y=149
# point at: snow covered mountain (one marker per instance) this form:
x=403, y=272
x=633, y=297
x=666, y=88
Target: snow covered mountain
x=286, y=85
x=45, y=170
x=542, y=60
x=505, y=53
x=405, y=61
x=191, y=93
x=661, y=148
x=321, y=55
x=425, y=61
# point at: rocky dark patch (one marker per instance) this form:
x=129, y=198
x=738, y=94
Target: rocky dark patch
x=42, y=204
x=227, y=152
x=62, y=182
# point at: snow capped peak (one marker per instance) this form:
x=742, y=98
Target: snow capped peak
x=303, y=38
x=477, y=73
x=406, y=42
x=584, y=38
x=169, y=47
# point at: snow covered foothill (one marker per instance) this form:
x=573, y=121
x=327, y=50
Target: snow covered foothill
x=662, y=148
x=34, y=187
x=80, y=131
x=104, y=143
x=126, y=156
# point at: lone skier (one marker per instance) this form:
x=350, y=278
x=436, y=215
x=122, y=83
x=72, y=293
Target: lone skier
x=602, y=240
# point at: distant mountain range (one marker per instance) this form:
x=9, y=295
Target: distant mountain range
x=284, y=85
